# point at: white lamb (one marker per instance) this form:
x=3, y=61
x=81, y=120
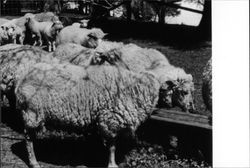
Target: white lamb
x=47, y=30
x=86, y=37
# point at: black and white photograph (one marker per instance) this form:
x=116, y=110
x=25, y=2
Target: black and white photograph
x=108, y=83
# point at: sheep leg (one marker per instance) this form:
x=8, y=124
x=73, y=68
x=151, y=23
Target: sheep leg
x=30, y=149
x=14, y=41
x=49, y=46
x=53, y=46
x=40, y=41
x=21, y=39
x=112, y=162
x=39, y=37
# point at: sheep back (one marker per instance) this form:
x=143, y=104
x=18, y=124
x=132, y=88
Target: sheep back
x=2, y=21
x=136, y=58
x=14, y=59
x=68, y=51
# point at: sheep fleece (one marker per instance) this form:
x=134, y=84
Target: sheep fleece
x=107, y=96
x=15, y=58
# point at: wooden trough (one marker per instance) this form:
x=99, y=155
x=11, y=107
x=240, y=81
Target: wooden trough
x=182, y=118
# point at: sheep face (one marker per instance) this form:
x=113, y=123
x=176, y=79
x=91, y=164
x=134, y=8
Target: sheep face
x=183, y=95
x=92, y=41
x=165, y=95
x=10, y=30
x=57, y=26
x=94, y=38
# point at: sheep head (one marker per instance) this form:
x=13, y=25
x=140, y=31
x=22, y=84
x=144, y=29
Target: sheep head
x=9, y=29
x=183, y=95
x=177, y=93
x=57, y=26
x=94, y=37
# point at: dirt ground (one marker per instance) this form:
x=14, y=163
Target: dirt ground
x=192, y=59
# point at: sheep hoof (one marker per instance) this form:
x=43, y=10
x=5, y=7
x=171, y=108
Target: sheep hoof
x=112, y=165
x=35, y=165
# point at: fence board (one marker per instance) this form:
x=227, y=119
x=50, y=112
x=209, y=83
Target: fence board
x=182, y=118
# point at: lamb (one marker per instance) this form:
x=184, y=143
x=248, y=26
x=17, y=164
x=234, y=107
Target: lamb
x=16, y=29
x=48, y=30
x=15, y=34
x=85, y=37
x=15, y=61
x=207, y=85
x=177, y=86
x=108, y=99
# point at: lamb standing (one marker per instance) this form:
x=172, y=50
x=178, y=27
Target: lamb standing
x=48, y=30
x=109, y=98
x=89, y=38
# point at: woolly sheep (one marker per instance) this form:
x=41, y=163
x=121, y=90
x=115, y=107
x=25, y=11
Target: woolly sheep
x=85, y=37
x=177, y=86
x=109, y=98
x=48, y=30
x=15, y=61
x=207, y=85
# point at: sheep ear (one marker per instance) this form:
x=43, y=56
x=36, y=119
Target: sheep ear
x=28, y=19
x=189, y=77
x=169, y=85
x=105, y=34
x=92, y=35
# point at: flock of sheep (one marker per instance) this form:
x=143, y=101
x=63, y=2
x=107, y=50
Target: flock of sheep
x=86, y=83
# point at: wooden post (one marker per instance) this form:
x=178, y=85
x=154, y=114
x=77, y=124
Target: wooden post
x=162, y=12
x=129, y=10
